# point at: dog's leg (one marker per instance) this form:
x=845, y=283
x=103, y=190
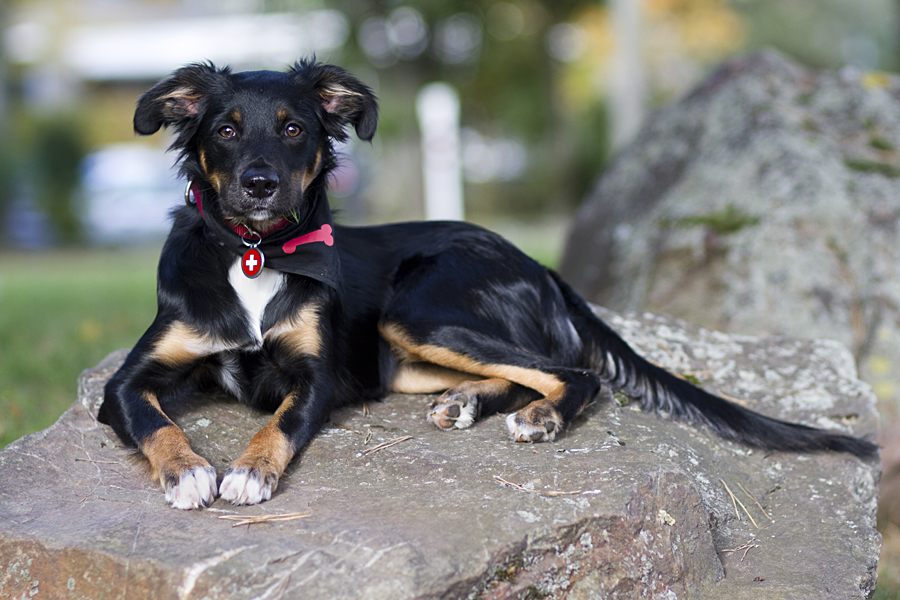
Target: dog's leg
x=253, y=477
x=294, y=376
x=460, y=406
x=466, y=397
x=543, y=418
x=188, y=479
x=545, y=414
x=155, y=368
x=513, y=377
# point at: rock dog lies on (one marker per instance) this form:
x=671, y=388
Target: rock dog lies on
x=260, y=294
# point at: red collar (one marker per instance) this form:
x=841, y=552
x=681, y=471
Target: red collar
x=243, y=230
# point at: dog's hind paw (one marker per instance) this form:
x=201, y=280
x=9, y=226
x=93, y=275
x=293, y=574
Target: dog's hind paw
x=247, y=486
x=192, y=489
x=454, y=410
x=534, y=424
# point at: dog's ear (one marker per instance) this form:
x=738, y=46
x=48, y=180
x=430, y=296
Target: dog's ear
x=346, y=100
x=177, y=100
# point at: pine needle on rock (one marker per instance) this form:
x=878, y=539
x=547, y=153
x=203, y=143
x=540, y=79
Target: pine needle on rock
x=387, y=444
x=550, y=493
x=253, y=520
x=738, y=500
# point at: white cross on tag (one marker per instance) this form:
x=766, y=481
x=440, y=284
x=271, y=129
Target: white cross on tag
x=252, y=263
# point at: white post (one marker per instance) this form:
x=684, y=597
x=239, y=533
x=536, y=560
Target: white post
x=627, y=88
x=437, y=108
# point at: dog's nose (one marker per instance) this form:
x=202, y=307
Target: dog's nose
x=259, y=183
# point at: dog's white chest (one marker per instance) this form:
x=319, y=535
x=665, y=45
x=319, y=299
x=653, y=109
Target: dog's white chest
x=255, y=294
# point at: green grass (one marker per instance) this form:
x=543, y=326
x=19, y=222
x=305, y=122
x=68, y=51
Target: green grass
x=62, y=312
x=888, y=587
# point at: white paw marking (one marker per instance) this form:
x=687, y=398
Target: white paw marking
x=241, y=486
x=523, y=431
x=467, y=414
x=194, y=489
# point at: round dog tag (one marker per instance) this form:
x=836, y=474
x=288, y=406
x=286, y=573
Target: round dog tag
x=252, y=262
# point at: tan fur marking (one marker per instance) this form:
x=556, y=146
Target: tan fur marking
x=488, y=387
x=310, y=174
x=153, y=401
x=269, y=451
x=301, y=332
x=180, y=344
x=169, y=451
x=544, y=383
x=427, y=378
x=282, y=114
x=214, y=178
x=236, y=116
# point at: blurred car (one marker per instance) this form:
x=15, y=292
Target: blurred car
x=128, y=191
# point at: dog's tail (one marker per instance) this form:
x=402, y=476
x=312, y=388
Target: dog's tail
x=660, y=391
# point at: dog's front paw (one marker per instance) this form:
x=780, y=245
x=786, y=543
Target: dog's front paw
x=188, y=480
x=193, y=488
x=253, y=477
x=534, y=423
x=244, y=485
x=454, y=410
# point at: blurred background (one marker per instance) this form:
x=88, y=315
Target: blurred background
x=546, y=90
x=541, y=95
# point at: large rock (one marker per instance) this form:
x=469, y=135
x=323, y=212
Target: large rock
x=623, y=505
x=767, y=201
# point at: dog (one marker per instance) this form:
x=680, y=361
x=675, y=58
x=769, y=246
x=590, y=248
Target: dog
x=261, y=294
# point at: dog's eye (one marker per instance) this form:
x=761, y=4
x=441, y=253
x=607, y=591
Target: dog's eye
x=292, y=130
x=227, y=132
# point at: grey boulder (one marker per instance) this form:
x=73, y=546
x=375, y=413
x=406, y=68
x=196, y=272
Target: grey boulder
x=623, y=505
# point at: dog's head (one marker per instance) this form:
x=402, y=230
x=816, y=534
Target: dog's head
x=262, y=140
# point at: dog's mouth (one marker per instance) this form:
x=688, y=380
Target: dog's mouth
x=261, y=222
x=262, y=218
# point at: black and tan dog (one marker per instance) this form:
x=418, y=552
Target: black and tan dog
x=260, y=294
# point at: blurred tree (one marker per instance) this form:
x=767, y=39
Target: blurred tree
x=533, y=73
x=58, y=147
x=495, y=54
x=40, y=160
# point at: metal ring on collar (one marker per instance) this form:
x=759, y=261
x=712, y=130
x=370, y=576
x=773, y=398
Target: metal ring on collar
x=251, y=233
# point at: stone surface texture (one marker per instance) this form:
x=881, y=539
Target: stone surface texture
x=766, y=201
x=623, y=505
